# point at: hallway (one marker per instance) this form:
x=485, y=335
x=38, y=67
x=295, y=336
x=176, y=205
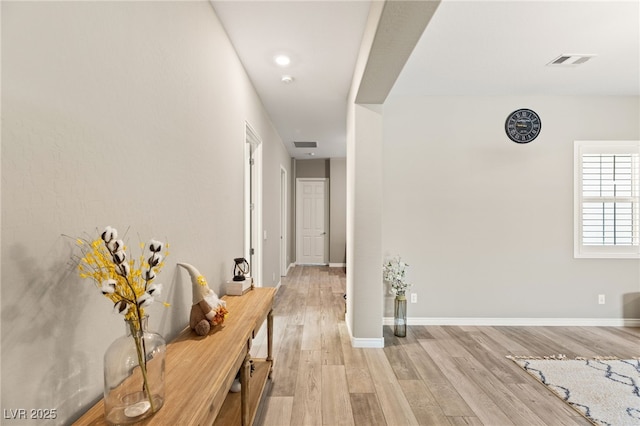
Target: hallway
x=437, y=375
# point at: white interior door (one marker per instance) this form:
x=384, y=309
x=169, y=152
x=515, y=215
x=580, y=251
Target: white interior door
x=311, y=221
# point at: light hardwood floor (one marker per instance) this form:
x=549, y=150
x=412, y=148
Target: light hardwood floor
x=437, y=375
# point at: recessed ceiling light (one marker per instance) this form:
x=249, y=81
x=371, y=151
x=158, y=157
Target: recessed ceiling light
x=282, y=60
x=286, y=79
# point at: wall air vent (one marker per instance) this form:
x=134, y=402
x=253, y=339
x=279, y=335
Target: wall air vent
x=570, y=60
x=299, y=144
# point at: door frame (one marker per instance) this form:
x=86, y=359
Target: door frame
x=253, y=202
x=299, y=219
x=284, y=203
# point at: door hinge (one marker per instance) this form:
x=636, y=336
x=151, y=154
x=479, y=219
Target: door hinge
x=252, y=252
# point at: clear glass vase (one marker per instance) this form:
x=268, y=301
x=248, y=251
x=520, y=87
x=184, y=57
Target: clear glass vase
x=400, y=316
x=134, y=375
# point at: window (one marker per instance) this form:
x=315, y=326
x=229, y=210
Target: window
x=607, y=199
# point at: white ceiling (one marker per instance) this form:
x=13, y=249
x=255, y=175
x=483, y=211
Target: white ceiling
x=322, y=38
x=502, y=48
x=470, y=47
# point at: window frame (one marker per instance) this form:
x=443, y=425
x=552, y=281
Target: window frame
x=602, y=251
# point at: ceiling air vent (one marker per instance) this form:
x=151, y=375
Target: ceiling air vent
x=570, y=60
x=305, y=144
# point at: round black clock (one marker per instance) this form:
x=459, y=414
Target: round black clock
x=523, y=125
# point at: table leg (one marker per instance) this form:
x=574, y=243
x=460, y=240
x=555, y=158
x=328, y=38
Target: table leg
x=270, y=341
x=245, y=374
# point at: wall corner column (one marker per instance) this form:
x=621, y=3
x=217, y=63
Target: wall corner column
x=364, y=225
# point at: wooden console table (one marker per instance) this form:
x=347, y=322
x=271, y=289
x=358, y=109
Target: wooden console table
x=200, y=369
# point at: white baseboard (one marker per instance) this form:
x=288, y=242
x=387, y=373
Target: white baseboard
x=357, y=342
x=586, y=322
x=331, y=265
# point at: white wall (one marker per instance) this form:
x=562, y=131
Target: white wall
x=366, y=268
x=316, y=168
x=364, y=210
x=487, y=224
x=275, y=156
x=129, y=114
x=338, y=211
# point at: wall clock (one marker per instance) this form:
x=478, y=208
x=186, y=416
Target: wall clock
x=523, y=125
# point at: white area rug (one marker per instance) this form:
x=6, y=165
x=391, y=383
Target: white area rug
x=605, y=391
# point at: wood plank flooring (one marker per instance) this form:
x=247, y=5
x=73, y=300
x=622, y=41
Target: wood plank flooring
x=437, y=375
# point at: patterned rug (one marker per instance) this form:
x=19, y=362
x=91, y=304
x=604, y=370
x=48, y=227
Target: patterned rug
x=606, y=391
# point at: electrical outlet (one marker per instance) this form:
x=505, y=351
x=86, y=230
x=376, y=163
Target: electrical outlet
x=601, y=299
x=414, y=297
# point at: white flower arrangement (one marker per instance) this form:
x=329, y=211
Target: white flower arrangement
x=394, y=272
x=128, y=284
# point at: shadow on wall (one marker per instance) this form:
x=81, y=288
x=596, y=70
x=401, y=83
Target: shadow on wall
x=49, y=355
x=41, y=311
x=631, y=306
x=174, y=319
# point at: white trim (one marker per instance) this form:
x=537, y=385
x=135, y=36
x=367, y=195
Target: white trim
x=253, y=142
x=598, y=251
x=583, y=322
x=375, y=343
x=284, y=218
x=359, y=342
x=337, y=265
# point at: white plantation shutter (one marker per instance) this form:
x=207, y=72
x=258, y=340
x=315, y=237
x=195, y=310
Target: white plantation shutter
x=607, y=199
